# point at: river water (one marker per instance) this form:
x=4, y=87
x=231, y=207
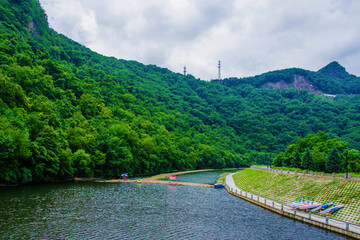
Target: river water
x=140, y=211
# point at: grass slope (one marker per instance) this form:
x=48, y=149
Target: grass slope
x=285, y=188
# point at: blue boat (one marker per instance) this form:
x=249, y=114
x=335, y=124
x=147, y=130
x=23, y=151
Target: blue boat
x=333, y=209
x=219, y=185
x=322, y=207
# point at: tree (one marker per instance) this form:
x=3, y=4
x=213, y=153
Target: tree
x=277, y=162
x=81, y=161
x=296, y=161
x=307, y=161
x=333, y=161
x=353, y=157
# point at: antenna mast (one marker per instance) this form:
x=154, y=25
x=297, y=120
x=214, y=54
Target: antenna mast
x=185, y=70
x=219, y=66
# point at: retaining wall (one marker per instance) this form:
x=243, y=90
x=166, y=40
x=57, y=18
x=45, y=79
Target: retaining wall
x=339, y=226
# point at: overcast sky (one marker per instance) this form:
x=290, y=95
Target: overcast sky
x=249, y=36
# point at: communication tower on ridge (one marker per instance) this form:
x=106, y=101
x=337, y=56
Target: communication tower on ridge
x=185, y=70
x=219, y=66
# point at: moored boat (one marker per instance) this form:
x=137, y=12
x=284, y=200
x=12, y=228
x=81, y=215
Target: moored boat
x=332, y=209
x=309, y=205
x=322, y=207
x=219, y=185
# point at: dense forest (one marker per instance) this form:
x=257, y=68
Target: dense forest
x=66, y=111
x=319, y=152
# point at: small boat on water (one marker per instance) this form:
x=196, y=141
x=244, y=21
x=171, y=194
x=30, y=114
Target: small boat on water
x=322, y=207
x=332, y=209
x=219, y=185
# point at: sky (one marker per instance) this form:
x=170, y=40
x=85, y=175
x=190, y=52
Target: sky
x=249, y=37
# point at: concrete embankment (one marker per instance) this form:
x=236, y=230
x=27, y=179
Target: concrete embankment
x=342, y=227
x=286, y=188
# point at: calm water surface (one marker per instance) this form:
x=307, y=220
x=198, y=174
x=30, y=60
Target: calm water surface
x=140, y=211
x=200, y=177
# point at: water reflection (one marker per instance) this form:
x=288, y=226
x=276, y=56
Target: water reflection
x=140, y=211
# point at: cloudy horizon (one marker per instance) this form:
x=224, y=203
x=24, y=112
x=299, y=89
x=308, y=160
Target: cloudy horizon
x=250, y=37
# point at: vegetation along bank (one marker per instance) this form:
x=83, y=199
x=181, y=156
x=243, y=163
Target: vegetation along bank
x=66, y=111
x=285, y=188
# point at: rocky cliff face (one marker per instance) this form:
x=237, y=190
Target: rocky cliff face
x=299, y=83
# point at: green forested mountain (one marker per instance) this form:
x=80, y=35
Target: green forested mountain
x=66, y=111
x=332, y=79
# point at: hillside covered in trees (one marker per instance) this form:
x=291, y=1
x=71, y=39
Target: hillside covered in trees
x=66, y=111
x=331, y=79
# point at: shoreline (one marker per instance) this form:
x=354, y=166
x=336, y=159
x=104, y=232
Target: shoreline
x=157, y=179
x=349, y=229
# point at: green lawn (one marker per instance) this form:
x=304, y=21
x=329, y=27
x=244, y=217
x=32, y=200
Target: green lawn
x=285, y=188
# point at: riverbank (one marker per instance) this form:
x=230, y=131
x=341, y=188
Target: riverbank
x=335, y=225
x=285, y=188
x=167, y=175
x=158, y=179
x=150, y=181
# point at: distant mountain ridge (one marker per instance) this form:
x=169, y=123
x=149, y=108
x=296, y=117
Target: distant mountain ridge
x=335, y=70
x=332, y=79
x=67, y=111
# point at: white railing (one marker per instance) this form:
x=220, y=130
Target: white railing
x=348, y=226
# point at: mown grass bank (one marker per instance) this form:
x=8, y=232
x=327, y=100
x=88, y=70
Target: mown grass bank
x=285, y=188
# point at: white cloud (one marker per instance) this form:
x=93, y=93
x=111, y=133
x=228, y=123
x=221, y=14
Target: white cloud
x=249, y=36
